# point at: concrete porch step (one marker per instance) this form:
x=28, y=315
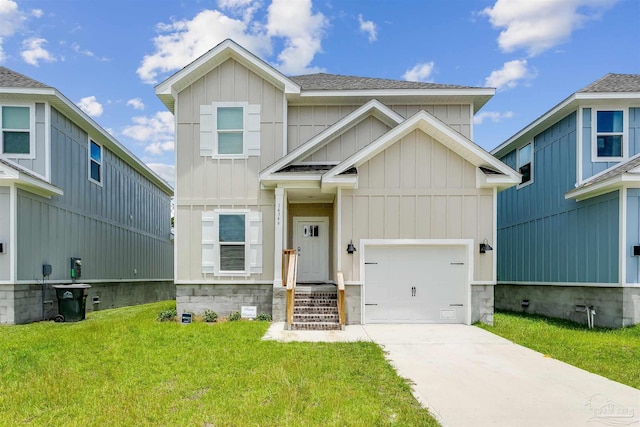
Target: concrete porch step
x=316, y=318
x=316, y=295
x=306, y=302
x=317, y=326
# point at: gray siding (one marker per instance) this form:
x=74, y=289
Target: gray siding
x=634, y=131
x=120, y=230
x=5, y=228
x=544, y=238
x=633, y=235
x=39, y=164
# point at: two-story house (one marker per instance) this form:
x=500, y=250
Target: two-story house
x=569, y=233
x=70, y=190
x=378, y=179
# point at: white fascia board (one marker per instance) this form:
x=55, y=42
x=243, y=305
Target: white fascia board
x=436, y=129
x=228, y=49
x=373, y=107
x=600, y=188
x=608, y=95
x=531, y=127
x=28, y=91
x=291, y=181
x=396, y=92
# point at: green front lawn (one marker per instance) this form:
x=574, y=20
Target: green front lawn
x=122, y=367
x=612, y=353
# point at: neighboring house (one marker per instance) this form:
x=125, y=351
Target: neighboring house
x=267, y=162
x=569, y=234
x=68, y=189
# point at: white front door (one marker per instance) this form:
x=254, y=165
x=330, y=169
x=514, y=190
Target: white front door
x=416, y=284
x=311, y=239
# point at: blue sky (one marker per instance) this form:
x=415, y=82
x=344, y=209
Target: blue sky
x=106, y=55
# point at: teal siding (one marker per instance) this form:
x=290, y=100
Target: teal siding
x=544, y=238
x=634, y=131
x=633, y=235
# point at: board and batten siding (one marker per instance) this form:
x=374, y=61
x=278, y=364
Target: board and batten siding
x=631, y=122
x=5, y=231
x=542, y=237
x=417, y=189
x=39, y=163
x=121, y=229
x=633, y=235
x=205, y=183
x=350, y=142
x=305, y=122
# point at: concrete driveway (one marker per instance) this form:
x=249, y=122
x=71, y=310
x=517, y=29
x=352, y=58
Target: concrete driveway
x=468, y=377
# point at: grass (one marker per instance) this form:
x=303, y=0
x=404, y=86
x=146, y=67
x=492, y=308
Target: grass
x=121, y=367
x=612, y=353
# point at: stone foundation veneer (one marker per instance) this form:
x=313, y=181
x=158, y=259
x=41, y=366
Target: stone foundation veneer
x=615, y=306
x=223, y=299
x=21, y=304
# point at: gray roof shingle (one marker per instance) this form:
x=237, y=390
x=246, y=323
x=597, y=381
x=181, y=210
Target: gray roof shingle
x=322, y=81
x=615, y=83
x=622, y=168
x=9, y=78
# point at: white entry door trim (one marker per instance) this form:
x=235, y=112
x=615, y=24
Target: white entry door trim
x=313, y=260
x=468, y=244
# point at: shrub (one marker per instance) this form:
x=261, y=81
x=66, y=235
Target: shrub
x=167, y=315
x=234, y=317
x=210, y=316
x=264, y=317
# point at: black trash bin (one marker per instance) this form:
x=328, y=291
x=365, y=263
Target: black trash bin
x=72, y=302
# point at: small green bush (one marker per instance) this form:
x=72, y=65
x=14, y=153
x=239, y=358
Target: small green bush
x=234, y=317
x=264, y=317
x=210, y=316
x=167, y=315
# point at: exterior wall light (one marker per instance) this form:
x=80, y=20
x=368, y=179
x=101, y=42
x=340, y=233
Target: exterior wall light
x=485, y=246
x=350, y=248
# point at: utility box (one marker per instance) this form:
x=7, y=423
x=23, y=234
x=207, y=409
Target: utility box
x=76, y=268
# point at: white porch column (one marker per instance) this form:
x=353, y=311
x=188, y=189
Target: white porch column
x=278, y=237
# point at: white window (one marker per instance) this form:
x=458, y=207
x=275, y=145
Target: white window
x=95, y=162
x=230, y=130
x=17, y=139
x=609, y=140
x=525, y=164
x=231, y=242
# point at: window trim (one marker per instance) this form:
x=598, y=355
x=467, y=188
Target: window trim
x=247, y=242
x=91, y=159
x=531, y=162
x=32, y=127
x=216, y=131
x=594, y=135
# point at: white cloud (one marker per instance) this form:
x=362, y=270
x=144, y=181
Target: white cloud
x=156, y=131
x=166, y=172
x=180, y=42
x=536, y=26
x=420, y=73
x=368, y=27
x=509, y=75
x=302, y=31
x=11, y=18
x=136, y=103
x=33, y=51
x=494, y=116
x=91, y=106
x=37, y=13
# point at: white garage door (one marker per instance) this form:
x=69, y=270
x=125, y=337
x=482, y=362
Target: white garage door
x=416, y=284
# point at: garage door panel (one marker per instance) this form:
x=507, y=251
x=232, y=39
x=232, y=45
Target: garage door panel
x=416, y=284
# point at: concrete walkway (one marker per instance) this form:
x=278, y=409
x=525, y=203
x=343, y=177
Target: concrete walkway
x=469, y=377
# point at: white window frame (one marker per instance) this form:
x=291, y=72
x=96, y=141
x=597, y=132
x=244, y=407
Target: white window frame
x=594, y=135
x=32, y=133
x=219, y=244
x=90, y=159
x=216, y=106
x=531, y=168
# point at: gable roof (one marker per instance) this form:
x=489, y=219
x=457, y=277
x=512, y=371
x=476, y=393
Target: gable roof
x=10, y=78
x=442, y=133
x=372, y=108
x=217, y=55
x=15, y=86
x=611, y=86
x=323, y=81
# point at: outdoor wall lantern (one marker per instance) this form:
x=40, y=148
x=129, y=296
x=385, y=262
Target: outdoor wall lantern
x=350, y=248
x=485, y=246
